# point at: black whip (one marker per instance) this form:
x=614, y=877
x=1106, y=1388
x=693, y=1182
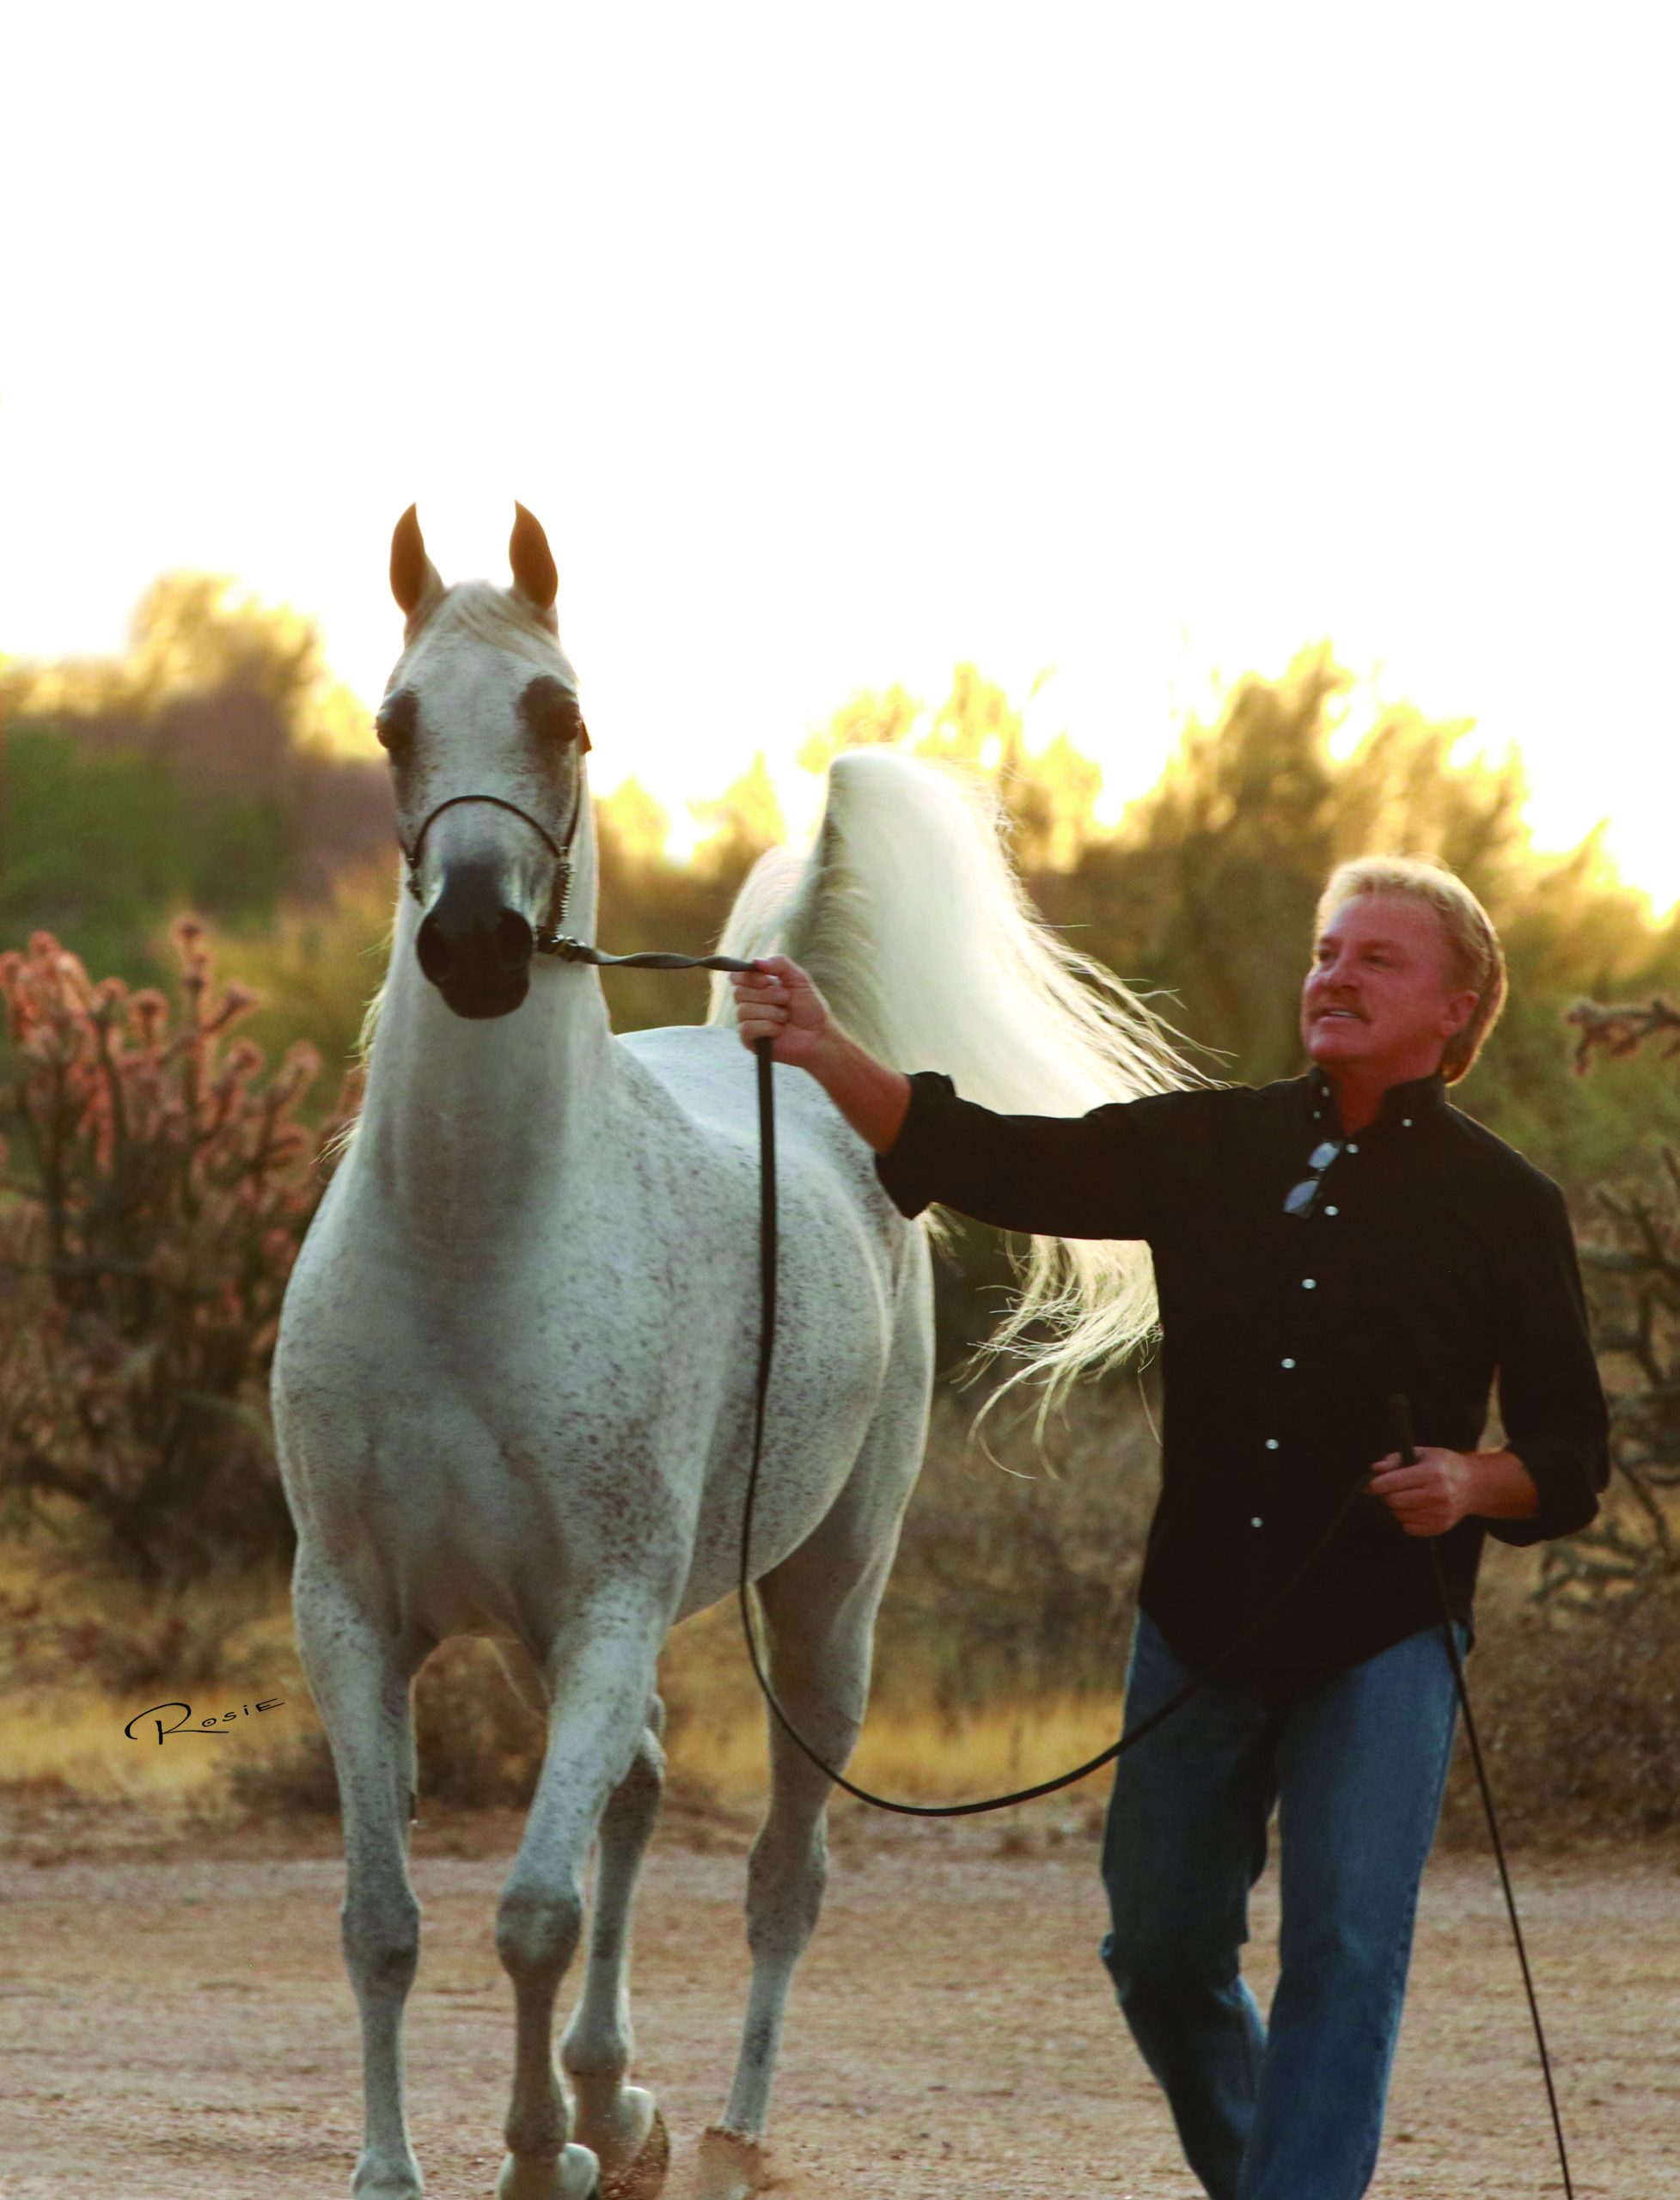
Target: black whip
x=1401, y=1412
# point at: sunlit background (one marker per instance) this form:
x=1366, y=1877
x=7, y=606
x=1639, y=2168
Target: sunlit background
x=837, y=344
x=1058, y=366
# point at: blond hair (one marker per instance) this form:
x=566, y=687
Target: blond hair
x=1475, y=956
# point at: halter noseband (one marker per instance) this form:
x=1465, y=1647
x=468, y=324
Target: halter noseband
x=549, y=940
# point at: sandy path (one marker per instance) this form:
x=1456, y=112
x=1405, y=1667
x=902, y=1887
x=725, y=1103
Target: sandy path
x=175, y=2022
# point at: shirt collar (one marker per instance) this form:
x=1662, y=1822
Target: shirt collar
x=1420, y=1097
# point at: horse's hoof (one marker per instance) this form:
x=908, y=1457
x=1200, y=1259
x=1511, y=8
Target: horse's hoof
x=574, y=2175
x=728, y=2166
x=642, y=2176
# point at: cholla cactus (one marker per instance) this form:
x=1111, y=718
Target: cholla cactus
x=1633, y=1270
x=153, y=1195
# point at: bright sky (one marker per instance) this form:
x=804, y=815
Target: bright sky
x=835, y=344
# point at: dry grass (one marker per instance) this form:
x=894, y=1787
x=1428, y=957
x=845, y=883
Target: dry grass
x=478, y=1742
x=1581, y=1715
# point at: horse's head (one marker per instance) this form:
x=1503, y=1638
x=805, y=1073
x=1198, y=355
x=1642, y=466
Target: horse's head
x=481, y=723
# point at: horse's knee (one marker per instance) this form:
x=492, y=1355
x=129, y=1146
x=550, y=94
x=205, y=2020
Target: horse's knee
x=537, y=1930
x=381, y=1941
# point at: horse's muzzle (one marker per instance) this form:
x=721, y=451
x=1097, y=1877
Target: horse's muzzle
x=475, y=950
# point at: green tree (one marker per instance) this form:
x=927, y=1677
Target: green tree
x=212, y=767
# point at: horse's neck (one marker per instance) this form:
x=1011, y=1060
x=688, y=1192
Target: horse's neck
x=472, y=1129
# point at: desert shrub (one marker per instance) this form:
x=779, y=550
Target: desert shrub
x=296, y=1781
x=153, y=1197
x=313, y=968
x=479, y=1739
x=479, y=1742
x=1018, y=1568
x=1632, y=1266
x=184, y=1641
x=1578, y=1714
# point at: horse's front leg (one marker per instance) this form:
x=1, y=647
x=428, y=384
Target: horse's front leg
x=361, y=1682
x=601, y=1681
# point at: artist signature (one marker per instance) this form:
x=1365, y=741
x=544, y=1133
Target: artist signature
x=204, y=1726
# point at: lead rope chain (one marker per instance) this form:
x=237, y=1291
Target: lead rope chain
x=573, y=950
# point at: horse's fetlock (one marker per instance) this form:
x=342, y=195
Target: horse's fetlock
x=603, y=2057
x=538, y=2127
x=378, y=2177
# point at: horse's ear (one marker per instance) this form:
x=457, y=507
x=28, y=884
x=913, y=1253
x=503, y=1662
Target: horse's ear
x=414, y=579
x=533, y=561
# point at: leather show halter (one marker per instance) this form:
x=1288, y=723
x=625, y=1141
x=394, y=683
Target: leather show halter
x=546, y=942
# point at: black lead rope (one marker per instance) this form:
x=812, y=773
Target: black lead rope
x=573, y=950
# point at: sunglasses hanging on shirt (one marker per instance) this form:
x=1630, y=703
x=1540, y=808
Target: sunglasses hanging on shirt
x=1304, y=1197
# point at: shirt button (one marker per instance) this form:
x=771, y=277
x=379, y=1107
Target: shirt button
x=1352, y=1149
x=1256, y=1522
x=1288, y=1362
x=1308, y=1283
x=1333, y=1210
x=1271, y=1443
x=1405, y=1122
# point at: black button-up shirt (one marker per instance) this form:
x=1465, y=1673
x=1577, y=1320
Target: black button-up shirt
x=1434, y=1256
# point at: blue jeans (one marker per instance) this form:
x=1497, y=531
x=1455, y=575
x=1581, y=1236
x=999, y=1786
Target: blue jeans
x=1357, y=1765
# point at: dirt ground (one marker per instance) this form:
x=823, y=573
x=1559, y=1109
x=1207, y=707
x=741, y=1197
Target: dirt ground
x=175, y=2022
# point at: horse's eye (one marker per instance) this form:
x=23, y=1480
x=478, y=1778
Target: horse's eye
x=394, y=721
x=550, y=709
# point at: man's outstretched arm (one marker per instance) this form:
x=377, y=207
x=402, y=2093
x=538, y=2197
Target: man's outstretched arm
x=1055, y=1175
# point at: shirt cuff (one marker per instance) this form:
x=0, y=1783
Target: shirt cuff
x=1568, y=1477
x=906, y=1169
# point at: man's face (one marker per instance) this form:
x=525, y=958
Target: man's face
x=1381, y=996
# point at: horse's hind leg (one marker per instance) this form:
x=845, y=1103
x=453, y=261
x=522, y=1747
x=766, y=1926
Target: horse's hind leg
x=362, y=1686
x=619, y=2122
x=819, y=1611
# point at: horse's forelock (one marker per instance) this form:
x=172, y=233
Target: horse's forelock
x=496, y=618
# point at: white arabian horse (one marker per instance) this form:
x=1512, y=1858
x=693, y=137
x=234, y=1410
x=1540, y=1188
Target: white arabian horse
x=514, y=1380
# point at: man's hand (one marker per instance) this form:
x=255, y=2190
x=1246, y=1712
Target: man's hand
x=1429, y=1498
x=777, y=1000
x=1444, y=1487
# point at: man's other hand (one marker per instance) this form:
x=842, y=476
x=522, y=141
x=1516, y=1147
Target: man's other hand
x=1430, y=1497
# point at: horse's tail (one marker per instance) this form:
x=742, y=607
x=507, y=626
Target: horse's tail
x=909, y=916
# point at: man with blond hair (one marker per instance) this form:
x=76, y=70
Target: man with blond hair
x=1320, y=1245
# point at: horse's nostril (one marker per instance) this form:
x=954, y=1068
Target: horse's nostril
x=513, y=940
x=433, y=951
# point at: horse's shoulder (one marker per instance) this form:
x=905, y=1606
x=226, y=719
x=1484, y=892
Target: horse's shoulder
x=703, y=1074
